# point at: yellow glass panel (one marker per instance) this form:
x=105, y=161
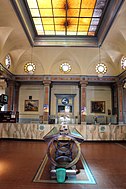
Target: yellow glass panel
x=82, y=28
x=88, y=3
x=72, y=28
x=46, y=13
x=35, y=12
x=49, y=27
x=59, y=20
x=82, y=33
x=86, y=13
x=59, y=28
x=59, y=12
x=73, y=20
x=84, y=21
x=37, y=21
x=44, y=3
x=47, y=21
x=58, y=3
x=32, y=4
x=73, y=13
x=74, y=3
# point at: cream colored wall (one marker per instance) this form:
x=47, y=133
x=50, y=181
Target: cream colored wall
x=93, y=93
x=98, y=93
x=65, y=89
x=37, y=94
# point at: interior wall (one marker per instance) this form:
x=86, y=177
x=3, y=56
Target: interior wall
x=65, y=89
x=98, y=93
x=93, y=93
x=36, y=91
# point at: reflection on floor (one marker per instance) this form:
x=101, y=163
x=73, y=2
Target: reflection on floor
x=19, y=161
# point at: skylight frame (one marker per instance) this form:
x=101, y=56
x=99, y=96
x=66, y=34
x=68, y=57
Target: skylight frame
x=72, y=41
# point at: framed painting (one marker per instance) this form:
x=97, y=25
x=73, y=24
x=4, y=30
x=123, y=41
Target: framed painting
x=97, y=106
x=31, y=105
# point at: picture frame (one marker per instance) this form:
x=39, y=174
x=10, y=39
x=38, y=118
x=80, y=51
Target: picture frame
x=97, y=106
x=31, y=105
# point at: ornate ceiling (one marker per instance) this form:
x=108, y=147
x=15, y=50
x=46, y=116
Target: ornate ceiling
x=16, y=40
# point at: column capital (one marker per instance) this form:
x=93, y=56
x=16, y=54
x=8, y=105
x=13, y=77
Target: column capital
x=46, y=82
x=83, y=83
x=10, y=82
x=118, y=84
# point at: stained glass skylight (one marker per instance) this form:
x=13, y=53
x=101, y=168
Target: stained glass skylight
x=66, y=22
x=66, y=17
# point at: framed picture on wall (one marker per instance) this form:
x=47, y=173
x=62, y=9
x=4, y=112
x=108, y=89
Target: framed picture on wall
x=31, y=105
x=97, y=106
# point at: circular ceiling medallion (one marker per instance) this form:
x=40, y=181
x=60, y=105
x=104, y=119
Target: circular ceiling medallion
x=65, y=67
x=8, y=61
x=123, y=62
x=101, y=68
x=29, y=68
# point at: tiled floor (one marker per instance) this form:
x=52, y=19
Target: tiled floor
x=19, y=161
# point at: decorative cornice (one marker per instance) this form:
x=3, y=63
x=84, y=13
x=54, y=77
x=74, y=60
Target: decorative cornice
x=67, y=78
x=122, y=76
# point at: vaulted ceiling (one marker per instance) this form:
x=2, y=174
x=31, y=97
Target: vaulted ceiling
x=16, y=39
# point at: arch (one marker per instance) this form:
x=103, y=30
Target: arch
x=62, y=57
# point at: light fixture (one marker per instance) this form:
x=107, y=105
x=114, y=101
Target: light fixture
x=123, y=62
x=29, y=68
x=65, y=67
x=100, y=68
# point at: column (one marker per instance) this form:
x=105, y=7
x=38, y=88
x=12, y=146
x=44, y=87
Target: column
x=46, y=100
x=83, y=100
x=10, y=93
x=16, y=97
x=120, y=103
x=124, y=105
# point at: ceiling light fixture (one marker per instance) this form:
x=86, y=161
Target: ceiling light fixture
x=29, y=68
x=101, y=68
x=65, y=67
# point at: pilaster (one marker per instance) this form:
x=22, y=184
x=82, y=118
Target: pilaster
x=46, y=100
x=83, y=85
